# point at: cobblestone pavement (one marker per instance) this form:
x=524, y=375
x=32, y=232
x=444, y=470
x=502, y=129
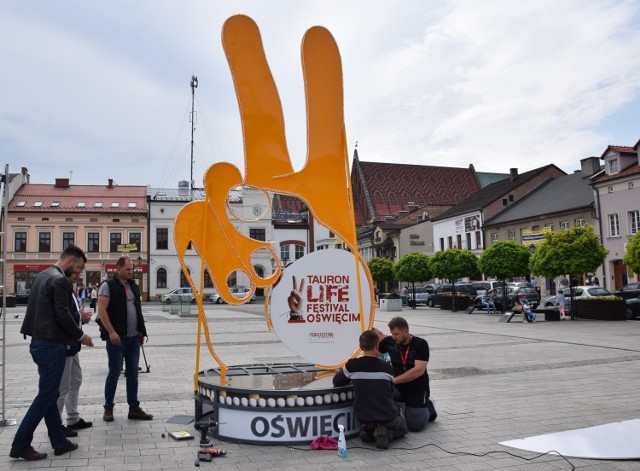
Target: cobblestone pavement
x=491, y=381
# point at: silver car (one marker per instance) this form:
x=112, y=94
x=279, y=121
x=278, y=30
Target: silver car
x=237, y=292
x=178, y=295
x=422, y=293
x=580, y=292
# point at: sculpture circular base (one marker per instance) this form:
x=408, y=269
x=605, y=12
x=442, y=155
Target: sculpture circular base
x=274, y=403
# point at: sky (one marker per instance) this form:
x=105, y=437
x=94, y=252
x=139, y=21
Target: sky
x=92, y=90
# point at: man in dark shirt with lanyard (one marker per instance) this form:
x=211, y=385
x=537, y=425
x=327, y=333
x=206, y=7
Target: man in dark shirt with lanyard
x=379, y=416
x=409, y=357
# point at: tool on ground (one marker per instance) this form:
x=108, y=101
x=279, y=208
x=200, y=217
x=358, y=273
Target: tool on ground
x=213, y=452
x=204, y=427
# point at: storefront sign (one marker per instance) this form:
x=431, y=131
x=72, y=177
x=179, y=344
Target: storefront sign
x=31, y=267
x=111, y=268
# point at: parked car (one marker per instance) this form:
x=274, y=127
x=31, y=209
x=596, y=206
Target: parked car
x=579, y=292
x=22, y=296
x=530, y=294
x=178, y=295
x=435, y=298
x=431, y=287
x=520, y=284
x=237, y=292
x=524, y=293
x=421, y=294
x=633, y=307
x=631, y=290
x=484, y=286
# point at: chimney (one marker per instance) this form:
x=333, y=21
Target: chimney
x=25, y=175
x=589, y=166
x=110, y=184
x=62, y=183
x=513, y=174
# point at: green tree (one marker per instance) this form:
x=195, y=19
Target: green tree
x=412, y=268
x=453, y=264
x=632, y=257
x=568, y=252
x=381, y=269
x=505, y=260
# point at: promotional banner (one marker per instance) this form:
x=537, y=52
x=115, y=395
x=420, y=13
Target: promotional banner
x=530, y=237
x=314, y=307
x=285, y=425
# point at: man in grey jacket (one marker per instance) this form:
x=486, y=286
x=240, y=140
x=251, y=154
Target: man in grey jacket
x=50, y=324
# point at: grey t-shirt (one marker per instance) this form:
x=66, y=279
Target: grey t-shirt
x=132, y=316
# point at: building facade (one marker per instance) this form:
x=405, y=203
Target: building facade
x=106, y=221
x=617, y=196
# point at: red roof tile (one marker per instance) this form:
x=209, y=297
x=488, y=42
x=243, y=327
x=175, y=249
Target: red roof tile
x=381, y=189
x=619, y=149
x=631, y=170
x=68, y=197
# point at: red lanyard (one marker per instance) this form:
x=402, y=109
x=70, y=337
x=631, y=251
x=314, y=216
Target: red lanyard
x=405, y=357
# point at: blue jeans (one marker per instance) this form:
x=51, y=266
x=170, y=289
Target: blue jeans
x=416, y=417
x=489, y=306
x=129, y=351
x=50, y=357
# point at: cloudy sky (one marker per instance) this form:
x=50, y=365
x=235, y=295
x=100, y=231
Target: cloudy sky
x=101, y=88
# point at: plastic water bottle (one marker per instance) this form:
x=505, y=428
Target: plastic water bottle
x=342, y=443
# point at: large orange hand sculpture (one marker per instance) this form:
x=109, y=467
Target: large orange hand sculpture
x=323, y=184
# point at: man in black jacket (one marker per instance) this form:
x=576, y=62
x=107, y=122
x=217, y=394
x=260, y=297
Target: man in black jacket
x=50, y=324
x=123, y=329
x=379, y=416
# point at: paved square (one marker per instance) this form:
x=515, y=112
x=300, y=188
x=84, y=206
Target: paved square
x=491, y=382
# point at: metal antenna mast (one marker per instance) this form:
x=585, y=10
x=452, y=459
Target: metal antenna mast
x=194, y=85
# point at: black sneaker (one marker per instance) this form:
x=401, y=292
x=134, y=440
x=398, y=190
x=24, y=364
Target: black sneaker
x=108, y=414
x=69, y=433
x=66, y=448
x=382, y=437
x=139, y=414
x=366, y=436
x=433, y=415
x=80, y=424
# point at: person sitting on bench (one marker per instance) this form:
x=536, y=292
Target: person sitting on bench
x=487, y=302
x=519, y=306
